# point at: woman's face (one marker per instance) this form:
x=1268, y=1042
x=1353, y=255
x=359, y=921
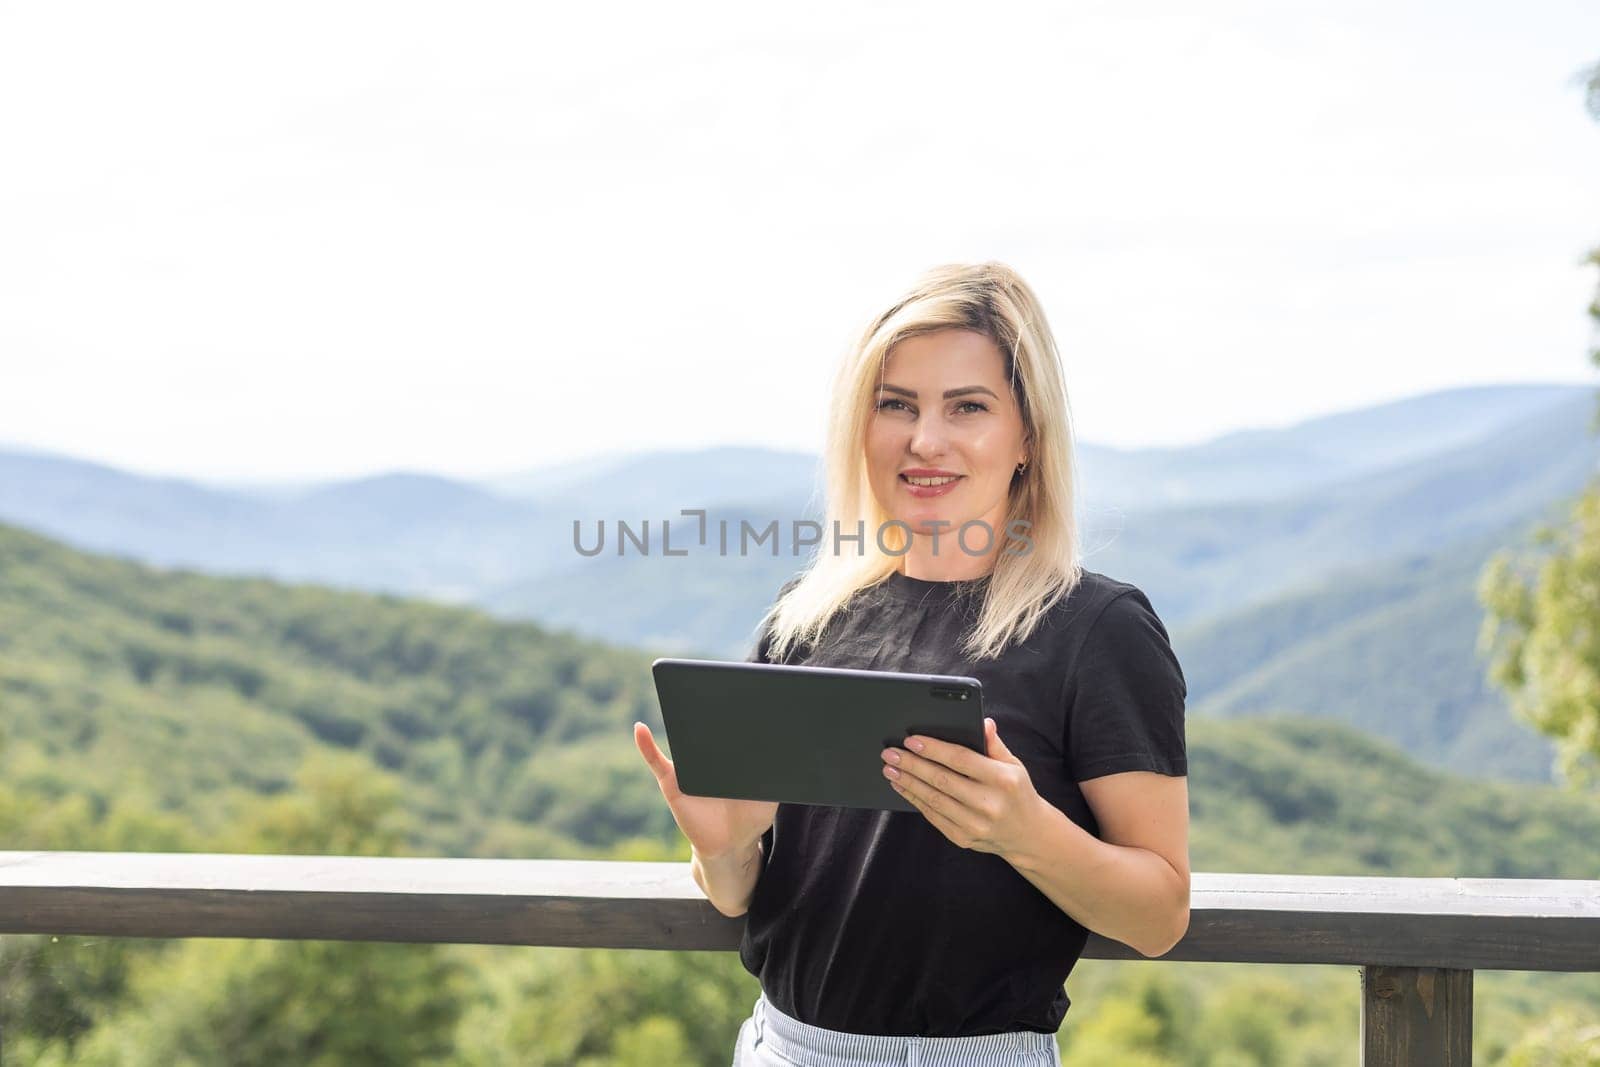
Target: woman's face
x=944, y=412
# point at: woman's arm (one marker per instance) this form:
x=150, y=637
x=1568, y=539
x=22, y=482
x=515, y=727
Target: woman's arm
x=729, y=880
x=1131, y=883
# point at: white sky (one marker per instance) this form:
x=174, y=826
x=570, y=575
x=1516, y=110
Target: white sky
x=290, y=240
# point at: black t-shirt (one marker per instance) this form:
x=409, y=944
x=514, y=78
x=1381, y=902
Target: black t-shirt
x=873, y=922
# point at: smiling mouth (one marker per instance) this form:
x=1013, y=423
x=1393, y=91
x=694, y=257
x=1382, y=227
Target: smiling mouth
x=930, y=482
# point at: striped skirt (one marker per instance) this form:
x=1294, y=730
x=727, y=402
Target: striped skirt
x=769, y=1038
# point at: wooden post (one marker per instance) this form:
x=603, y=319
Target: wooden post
x=1415, y=1015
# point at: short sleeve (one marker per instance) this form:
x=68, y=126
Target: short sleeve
x=1125, y=700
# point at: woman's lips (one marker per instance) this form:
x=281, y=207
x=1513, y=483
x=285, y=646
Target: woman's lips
x=925, y=491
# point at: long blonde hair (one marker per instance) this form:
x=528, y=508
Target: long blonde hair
x=992, y=299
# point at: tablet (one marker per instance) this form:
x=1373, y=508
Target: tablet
x=805, y=735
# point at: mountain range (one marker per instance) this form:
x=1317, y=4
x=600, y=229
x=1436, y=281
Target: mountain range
x=1324, y=568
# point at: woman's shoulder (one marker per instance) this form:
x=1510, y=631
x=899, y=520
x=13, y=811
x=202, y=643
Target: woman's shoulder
x=1091, y=594
x=1099, y=603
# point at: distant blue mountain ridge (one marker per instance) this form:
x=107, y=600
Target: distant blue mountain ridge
x=1281, y=559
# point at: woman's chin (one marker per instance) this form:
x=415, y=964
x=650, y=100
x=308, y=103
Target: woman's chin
x=929, y=521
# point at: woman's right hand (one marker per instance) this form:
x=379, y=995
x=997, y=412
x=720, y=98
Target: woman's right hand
x=715, y=826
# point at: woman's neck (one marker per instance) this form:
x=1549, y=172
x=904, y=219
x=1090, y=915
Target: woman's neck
x=951, y=564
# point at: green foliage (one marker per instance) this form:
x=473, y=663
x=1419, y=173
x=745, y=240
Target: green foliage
x=1388, y=650
x=308, y=1002
x=1594, y=306
x=120, y=678
x=567, y=1006
x=151, y=711
x=1537, y=1019
x=1566, y=1037
x=235, y=1001
x=342, y=807
x=1289, y=794
x=1241, y=1017
x=1544, y=637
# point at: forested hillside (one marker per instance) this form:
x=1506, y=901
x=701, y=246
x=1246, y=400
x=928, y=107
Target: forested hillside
x=116, y=676
x=147, y=710
x=1389, y=649
x=206, y=693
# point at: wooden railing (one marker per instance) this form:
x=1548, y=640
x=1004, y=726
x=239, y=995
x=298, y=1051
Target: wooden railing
x=1416, y=940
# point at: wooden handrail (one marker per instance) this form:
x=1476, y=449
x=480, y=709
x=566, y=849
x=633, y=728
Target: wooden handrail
x=1464, y=923
x=1417, y=940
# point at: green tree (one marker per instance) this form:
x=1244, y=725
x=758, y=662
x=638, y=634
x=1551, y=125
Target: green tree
x=1542, y=626
x=203, y=1001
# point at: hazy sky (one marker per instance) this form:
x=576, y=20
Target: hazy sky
x=280, y=240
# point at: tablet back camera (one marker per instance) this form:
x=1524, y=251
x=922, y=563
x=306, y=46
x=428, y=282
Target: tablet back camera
x=944, y=693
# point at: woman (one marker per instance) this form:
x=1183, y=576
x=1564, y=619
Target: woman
x=945, y=935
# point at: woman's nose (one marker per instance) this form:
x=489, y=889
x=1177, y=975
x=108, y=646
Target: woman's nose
x=928, y=436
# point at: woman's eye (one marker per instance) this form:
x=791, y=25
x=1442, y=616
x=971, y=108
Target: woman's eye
x=884, y=405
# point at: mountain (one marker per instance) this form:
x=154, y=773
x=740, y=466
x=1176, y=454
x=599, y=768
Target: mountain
x=701, y=605
x=1255, y=464
x=556, y=477
x=157, y=710
x=1260, y=464
x=1352, y=603
x=1350, y=599
x=1389, y=649
x=1201, y=561
x=100, y=507
x=402, y=498
x=400, y=532
x=1290, y=794
x=203, y=693
x=1194, y=562
x=419, y=534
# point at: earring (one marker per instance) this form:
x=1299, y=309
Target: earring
x=1021, y=467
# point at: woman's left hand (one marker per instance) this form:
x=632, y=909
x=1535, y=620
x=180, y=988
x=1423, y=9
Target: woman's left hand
x=985, y=803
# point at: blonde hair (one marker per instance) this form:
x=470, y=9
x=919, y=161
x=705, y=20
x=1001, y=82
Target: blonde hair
x=991, y=299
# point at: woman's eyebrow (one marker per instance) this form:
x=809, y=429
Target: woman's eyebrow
x=948, y=393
